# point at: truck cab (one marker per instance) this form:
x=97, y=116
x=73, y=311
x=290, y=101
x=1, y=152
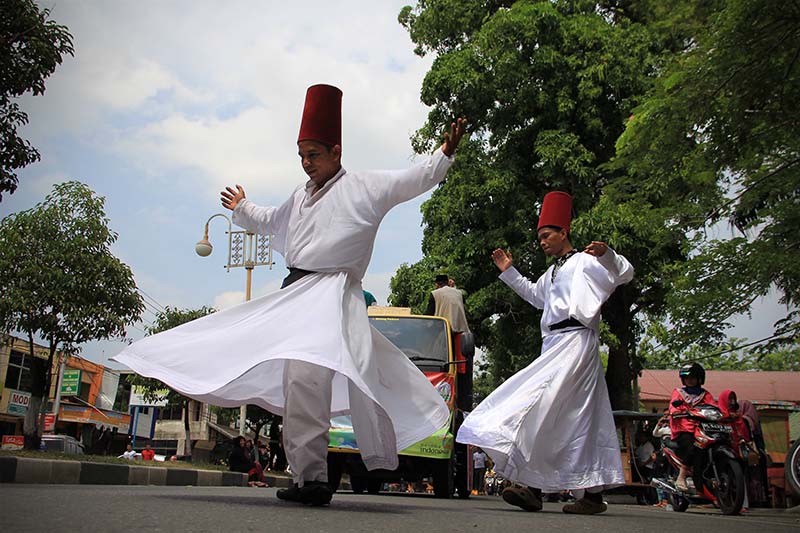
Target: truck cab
x=446, y=360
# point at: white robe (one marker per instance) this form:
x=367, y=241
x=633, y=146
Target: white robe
x=237, y=355
x=550, y=425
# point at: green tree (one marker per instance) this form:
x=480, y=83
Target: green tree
x=31, y=47
x=60, y=282
x=715, y=141
x=547, y=87
x=153, y=389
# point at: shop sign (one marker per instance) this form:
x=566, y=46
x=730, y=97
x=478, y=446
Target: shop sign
x=70, y=382
x=18, y=402
x=13, y=442
x=49, y=422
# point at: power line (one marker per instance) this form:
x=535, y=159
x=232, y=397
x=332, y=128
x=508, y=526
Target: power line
x=157, y=306
x=783, y=335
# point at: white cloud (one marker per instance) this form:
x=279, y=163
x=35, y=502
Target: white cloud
x=228, y=299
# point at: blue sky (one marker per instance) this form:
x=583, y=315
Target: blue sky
x=165, y=103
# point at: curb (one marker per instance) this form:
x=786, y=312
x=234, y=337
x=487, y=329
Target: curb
x=28, y=470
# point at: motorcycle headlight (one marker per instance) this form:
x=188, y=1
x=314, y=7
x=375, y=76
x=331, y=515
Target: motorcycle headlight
x=710, y=413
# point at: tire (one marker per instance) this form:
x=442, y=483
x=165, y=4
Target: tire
x=792, y=469
x=461, y=481
x=730, y=486
x=374, y=486
x=679, y=503
x=358, y=484
x=443, y=478
x=335, y=468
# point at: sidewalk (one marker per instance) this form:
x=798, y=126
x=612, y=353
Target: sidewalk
x=52, y=471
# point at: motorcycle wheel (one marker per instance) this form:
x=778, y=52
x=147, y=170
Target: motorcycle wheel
x=793, y=468
x=730, y=486
x=679, y=503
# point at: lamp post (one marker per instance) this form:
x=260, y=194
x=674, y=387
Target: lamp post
x=245, y=249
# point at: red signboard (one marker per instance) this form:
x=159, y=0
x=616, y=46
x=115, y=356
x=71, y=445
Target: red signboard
x=49, y=422
x=13, y=442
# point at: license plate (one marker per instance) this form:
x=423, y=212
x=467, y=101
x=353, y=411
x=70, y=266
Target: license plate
x=719, y=428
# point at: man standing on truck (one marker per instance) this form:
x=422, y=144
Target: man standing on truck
x=549, y=427
x=307, y=351
x=448, y=302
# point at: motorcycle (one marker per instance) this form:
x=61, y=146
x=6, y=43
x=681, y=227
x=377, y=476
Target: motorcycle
x=717, y=475
x=494, y=483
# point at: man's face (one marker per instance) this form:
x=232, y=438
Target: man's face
x=552, y=240
x=319, y=162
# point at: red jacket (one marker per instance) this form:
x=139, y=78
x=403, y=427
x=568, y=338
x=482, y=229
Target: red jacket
x=147, y=455
x=686, y=425
x=740, y=429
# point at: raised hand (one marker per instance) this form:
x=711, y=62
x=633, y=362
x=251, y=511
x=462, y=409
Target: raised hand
x=596, y=248
x=231, y=198
x=452, y=138
x=502, y=259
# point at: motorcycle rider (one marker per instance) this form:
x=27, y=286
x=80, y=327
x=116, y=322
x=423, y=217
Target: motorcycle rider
x=692, y=376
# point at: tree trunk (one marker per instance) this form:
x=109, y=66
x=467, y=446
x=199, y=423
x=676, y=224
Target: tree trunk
x=32, y=429
x=187, y=448
x=620, y=370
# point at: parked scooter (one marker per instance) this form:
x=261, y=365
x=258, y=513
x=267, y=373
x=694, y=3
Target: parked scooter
x=494, y=483
x=717, y=474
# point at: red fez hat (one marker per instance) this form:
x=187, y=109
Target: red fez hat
x=322, y=115
x=556, y=210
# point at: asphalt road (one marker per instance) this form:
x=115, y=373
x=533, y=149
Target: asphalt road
x=98, y=509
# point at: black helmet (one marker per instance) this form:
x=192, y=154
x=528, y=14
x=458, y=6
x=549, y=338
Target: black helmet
x=694, y=370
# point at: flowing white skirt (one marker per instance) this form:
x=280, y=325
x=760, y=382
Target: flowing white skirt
x=550, y=425
x=237, y=356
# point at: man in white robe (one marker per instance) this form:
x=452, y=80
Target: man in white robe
x=307, y=352
x=550, y=427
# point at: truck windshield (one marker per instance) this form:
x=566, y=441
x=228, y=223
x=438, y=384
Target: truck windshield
x=423, y=340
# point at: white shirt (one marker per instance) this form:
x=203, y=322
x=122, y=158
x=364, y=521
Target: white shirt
x=581, y=286
x=643, y=453
x=128, y=454
x=479, y=460
x=334, y=230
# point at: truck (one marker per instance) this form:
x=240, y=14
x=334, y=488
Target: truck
x=446, y=359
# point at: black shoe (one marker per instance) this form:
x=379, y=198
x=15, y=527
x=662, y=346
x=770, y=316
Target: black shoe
x=315, y=493
x=292, y=494
x=525, y=498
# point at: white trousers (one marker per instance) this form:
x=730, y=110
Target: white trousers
x=307, y=419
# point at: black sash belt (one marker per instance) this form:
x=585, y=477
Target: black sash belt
x=294, y=275
x=568, y=323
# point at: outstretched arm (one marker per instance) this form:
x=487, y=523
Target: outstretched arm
x=230, y=198
x=502, y=259
x=390, y=188
x=530, y=292
x=451, y=139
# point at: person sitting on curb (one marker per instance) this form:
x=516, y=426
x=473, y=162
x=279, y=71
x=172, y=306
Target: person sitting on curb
x=240, y=461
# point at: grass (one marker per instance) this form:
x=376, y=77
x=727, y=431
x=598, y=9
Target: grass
x=109, y=459
x=115, y=460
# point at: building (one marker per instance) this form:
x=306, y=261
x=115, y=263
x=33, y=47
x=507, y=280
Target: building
x=85, y=398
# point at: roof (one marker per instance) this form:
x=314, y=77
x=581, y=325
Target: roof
x=657, y=385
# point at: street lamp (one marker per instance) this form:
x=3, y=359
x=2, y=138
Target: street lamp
x=245, y=249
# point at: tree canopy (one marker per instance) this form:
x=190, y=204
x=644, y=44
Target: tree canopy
x=31, y=47
x=719, y=127
x=59, y=280
x=660, y=119
x=547, y=88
